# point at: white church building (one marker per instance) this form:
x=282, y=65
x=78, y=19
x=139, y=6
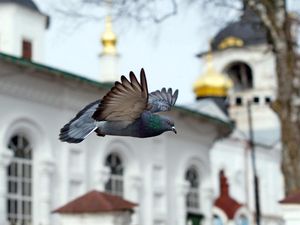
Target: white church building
x=203, y=175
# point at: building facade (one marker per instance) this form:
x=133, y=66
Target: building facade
x=240, y=52
x=191, y=178
x=167, y=176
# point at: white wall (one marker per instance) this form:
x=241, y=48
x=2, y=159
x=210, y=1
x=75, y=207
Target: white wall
x=18, y=23
x=109, y=218
x=154, y=167
x=290, y=214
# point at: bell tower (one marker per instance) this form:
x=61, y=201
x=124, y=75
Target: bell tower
x=109, y=57
x=241, y=51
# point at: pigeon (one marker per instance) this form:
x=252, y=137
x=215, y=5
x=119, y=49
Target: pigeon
x=126, y=110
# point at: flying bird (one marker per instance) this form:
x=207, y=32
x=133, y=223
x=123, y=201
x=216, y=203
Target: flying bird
x=126, y=110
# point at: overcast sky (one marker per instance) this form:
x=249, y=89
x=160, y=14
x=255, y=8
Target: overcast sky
x=166, y=51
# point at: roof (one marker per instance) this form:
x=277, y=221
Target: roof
x=27, y=3
x=225, y=202
x=248, y=30
x=209, y=108
x=291, y=199
x=30, y=5
x=225, y=127
x=212, y=83
x=51, y=71
x=96, y=202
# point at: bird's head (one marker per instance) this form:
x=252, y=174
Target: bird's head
x=158, y=124
x=168, y=124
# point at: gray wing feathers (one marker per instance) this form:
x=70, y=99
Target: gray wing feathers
x=81, y=125
x=162, y=100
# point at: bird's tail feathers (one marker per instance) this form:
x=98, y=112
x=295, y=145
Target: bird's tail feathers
x=81, y=126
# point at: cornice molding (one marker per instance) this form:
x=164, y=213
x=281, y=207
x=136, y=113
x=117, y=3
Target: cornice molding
x=55, y=95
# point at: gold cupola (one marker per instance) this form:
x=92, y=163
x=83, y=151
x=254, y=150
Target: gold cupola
x=109, y=38
x=211, y=83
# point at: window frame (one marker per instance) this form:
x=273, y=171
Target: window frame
x=115, y=183
x=243, y=81
x=27, y=49
x=19, y=194
x=192, y=200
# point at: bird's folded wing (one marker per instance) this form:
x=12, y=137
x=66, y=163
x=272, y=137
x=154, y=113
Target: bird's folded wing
x=125, y=101
x=163, y=100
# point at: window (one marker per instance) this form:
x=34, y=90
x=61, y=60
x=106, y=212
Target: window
x=19, y=186
x=192, y=198
x=115, y=183
x=256, y=100
x=267, y=100
x=26, y=49
x=241, y=75
x=239, y=101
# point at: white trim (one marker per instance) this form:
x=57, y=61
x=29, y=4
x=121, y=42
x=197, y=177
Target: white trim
x=219, y=212
x=15, y=193
x=245, y=212
x=43, y=160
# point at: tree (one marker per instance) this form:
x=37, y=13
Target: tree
x=279, y=25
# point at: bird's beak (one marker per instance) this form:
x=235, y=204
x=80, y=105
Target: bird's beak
x=174, y=130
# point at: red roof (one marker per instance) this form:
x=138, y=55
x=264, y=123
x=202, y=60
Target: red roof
x=95, y=202
x=224, y=201
x=291, y=199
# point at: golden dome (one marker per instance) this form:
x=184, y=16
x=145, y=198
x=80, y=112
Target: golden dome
x=109, y=38
x=212, y=83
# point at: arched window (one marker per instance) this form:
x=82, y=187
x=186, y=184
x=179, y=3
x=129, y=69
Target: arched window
x=19, y=177
x=217, y=220
x=192, y=198
x=242, y=220
x=241, y=75
x=115, y=183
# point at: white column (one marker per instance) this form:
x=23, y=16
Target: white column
x=182, y=191
x=207, y=204
x=109, y=68
x=45, y=187
x=134, y=194
x=101, y=178
x=5, y=159
x=290, y=213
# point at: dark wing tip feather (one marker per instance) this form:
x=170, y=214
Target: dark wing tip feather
x=175, y=96
x=132, y=76
x=143, y=81
x=134, y=82
x=124, y=79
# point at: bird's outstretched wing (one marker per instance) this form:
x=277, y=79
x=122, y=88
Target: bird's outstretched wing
x=163, y=100
x=125, y=101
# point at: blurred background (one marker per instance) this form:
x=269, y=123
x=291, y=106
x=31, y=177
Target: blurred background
x=235, y=159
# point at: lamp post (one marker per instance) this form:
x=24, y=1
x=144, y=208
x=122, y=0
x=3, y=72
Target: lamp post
x=253, y=160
